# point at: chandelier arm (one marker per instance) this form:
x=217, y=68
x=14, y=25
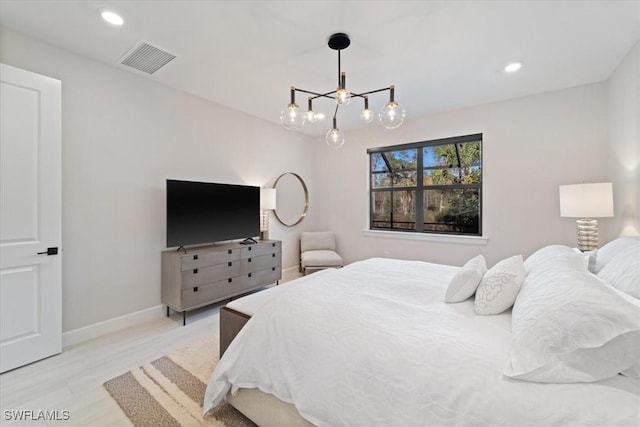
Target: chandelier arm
x=325, y=96
x=335, y=114
x=317, y=95
x=363, y=94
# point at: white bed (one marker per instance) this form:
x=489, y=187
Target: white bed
x=374, y=344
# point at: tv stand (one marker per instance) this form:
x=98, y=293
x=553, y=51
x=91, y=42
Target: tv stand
x=249, y=241
x=198, y=276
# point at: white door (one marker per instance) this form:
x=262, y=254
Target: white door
x=30, y=217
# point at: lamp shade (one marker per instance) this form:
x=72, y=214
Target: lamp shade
x=586, y=200
x=267, y=198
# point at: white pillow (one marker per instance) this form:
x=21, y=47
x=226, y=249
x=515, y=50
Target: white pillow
x=466, y=280
x=568, y=326
x=550, y=252
x=623, y=271
x=613, y=248
x=634, y=370
x=499, y=286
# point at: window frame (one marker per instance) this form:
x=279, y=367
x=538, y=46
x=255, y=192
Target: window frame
x=420, y=188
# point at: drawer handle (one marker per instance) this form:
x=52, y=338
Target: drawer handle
x=195, y=289
x=195, y=271
x=273, y=255
x=230, y=280
x=249, y=274
x=229, y=264
x=273, y=245
x=230, y=251
x=249, y=259
x=273, y=269
x=249, y=248
x=195, y=257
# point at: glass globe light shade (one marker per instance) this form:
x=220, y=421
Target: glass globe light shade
x=392, y=115
x=366, y=115
x=335, y=138
x=343, y=96
x=310, y=116
x=319, y=117
x=291, y=118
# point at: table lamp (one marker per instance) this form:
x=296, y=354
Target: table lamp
x=267, y=203
x=586, y=202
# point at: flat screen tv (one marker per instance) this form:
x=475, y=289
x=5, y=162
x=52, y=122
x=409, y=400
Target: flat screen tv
x=204, y=212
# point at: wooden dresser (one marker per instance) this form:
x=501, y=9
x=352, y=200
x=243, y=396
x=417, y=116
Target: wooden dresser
x=199, y=276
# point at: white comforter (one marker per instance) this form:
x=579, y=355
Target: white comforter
x=373, y=344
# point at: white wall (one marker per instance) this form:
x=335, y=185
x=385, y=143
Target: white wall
x=530, y=146
x=623, y=90
x=123, y=135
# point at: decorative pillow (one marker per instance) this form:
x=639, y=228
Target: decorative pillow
x=623, y=271
x=550, y=252
x=613, y=248
x=499, y=286
x=568, y=326
x=466, y=280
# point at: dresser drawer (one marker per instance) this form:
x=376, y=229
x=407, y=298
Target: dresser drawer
x=252, y=251
x=201, y=259
x=262, y=277
x=210, y=292
x=263, y=262
x=208, y=274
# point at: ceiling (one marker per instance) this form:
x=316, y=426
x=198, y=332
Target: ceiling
x=440, y=55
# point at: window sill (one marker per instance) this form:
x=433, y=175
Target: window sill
x=442, y=238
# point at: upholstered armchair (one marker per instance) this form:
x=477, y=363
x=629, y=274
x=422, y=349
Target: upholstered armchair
x=318, y=251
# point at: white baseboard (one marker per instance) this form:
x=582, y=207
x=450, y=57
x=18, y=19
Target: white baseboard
x=85, y=333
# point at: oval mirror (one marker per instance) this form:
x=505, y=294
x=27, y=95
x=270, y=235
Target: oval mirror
x=292, y=199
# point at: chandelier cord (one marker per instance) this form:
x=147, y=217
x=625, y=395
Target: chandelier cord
x=335, y=113
x=339, y=68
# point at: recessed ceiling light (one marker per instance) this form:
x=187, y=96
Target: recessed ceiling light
x=112, y=17
x=513, y=67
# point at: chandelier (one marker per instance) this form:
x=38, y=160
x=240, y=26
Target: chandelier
x=391, y=116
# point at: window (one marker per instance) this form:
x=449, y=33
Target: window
x=428, y=187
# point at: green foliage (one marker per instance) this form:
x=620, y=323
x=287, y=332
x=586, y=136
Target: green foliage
x=458, y=208
x=461, y=166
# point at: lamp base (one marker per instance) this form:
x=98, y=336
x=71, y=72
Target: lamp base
x=264, y=225
x=587, y=234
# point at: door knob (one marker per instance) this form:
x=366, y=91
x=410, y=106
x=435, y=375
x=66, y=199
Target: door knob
x=49, y=251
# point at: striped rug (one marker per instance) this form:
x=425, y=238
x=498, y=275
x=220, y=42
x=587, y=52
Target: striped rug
x=169, y=391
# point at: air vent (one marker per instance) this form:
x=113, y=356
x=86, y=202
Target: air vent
x=147, y=58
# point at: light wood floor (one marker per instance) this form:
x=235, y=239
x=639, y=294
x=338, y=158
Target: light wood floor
x=73, y=380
